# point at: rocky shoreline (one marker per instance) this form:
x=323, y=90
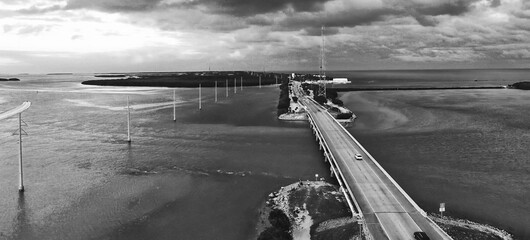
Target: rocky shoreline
x=317, y=210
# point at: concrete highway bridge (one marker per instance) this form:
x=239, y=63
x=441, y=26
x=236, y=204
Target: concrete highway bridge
x=383, y=207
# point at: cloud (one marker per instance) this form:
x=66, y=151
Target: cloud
x=316, y=31
x=114, y=5
x=8, y=61
x=40, y=10
x=257, y=33
x=444, y=7
x=253, y=7
x=516, y=54
x=437, y=55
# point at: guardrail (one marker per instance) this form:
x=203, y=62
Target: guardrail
x=342, y=181
x=334, y=165
x=414, y=204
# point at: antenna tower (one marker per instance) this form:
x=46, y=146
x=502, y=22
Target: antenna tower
x=322, y=74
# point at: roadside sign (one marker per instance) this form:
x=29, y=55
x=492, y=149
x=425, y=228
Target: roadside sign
x=442, y=209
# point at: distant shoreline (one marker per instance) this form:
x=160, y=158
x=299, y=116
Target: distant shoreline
x=352, y=89
x=193, y=79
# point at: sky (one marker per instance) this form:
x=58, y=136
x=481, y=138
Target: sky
x=93, y=36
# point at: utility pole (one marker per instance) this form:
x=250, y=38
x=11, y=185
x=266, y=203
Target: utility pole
x=241, y=83
x=200, y=98
x=442, y=209
x=215, y=91
x=128, y=121
x=18, y=110
x=226, y=87
x=20, y=171
x=174, y=106
x=235, y=86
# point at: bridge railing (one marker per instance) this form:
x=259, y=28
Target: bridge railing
x=340, y=178
x=409, y=199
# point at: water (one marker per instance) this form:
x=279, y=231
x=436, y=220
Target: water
x=434, y=78
x=205, y=175
x=201, y=177
x=467, y=148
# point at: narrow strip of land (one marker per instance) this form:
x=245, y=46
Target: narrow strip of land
x=352, y=89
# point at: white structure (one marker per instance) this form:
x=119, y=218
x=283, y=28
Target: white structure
x=340, y=81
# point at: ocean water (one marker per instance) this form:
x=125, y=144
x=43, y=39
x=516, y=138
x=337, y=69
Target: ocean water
x=201, y=177
x=434, y=78
x=205, y=175
x=465, y=148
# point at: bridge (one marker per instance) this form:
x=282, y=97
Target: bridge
x=383, y=207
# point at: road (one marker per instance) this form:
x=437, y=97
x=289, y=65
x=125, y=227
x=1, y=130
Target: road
x=387, y=211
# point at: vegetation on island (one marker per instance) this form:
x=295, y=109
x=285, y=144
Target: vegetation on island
x=306, y=210
x=191, y=79
x=9, y=79
x=520, y=85
x=332, y=95
x=319, y=209
x=280, y=227
x=284, y=100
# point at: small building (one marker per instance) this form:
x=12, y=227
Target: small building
x=340, y=81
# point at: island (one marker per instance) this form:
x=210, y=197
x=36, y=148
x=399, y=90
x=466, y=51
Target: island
x=9, y=79
x=318, y=210
x=520, y=85
x=193, y=79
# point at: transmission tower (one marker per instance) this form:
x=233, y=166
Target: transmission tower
x=322, y=74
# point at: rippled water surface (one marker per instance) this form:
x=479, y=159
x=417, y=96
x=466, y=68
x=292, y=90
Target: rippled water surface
x=205, y=175
x=466, y=148
x=201, y=177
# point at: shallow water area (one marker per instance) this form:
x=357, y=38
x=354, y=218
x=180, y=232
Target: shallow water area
x=466, y=148
x=200, y=176
x=205, y=175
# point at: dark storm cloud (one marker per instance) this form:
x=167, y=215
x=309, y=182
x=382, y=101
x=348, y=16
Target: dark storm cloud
x=260, y=21
x=317, y=31
x=350, y=18
x=114, y=5
x=253, y=7
x=426, y=21
x=495, y=3
x=453, y=8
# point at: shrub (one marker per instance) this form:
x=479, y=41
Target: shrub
x=279, y=220
x=337, y=101
x=320, y=99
